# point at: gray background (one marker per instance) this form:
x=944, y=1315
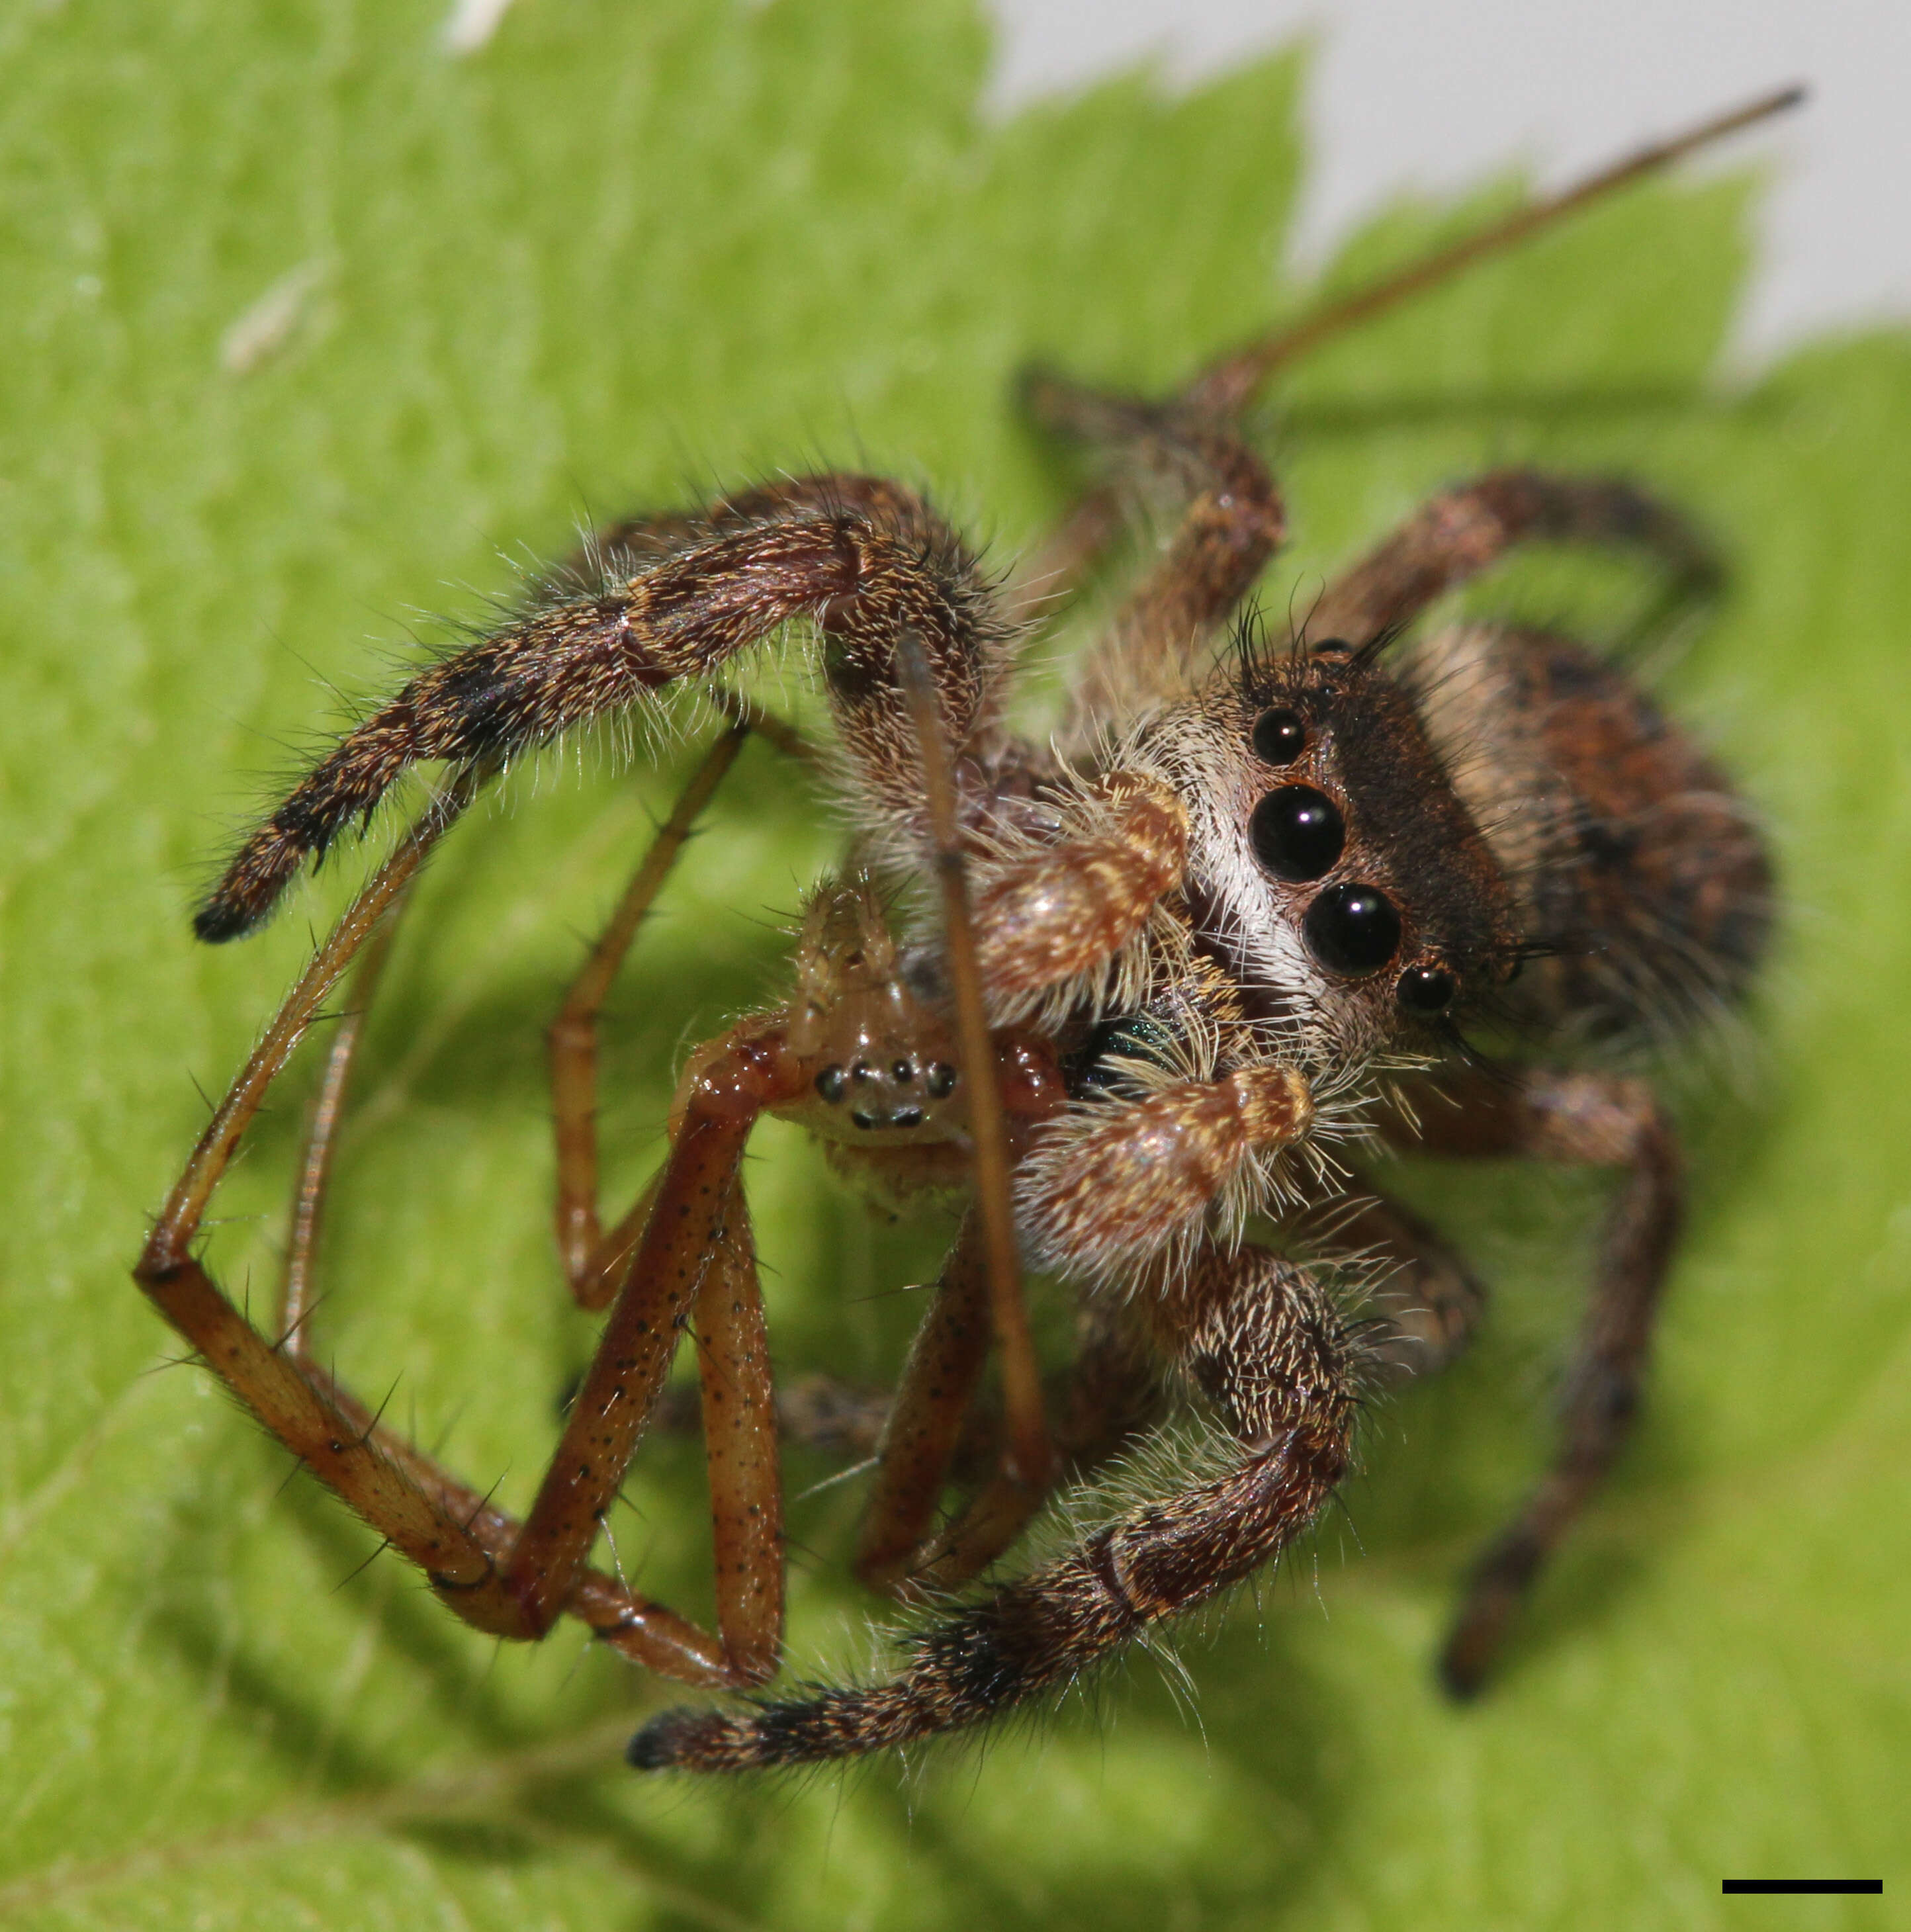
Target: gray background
x=1409, y=93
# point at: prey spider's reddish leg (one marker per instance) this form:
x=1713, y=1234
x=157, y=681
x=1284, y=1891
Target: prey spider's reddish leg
x=692, y=1213
x=1028, y=1458
x=448, y=1529
x=1537, y=1113
x=268, y=1381
x=1460, y=532
x=308, y=1200
x=591, y=1268
x=930, y=1414
x=1266, y=1346
x=740, y=1448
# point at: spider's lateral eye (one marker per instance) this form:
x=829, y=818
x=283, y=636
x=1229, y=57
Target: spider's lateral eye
x=1279, y=736
x=1425, y=989
x=1352, y=930
x=1297, y=833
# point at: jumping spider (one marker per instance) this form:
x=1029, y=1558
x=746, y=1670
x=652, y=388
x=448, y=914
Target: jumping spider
x=1229, y=921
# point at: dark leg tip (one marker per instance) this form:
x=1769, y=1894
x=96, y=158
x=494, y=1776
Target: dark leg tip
x=219, y=920
x=667, y=1741
x=1463, y=1674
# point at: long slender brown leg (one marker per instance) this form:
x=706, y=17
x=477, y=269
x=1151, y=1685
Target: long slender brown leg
x=929, y=1415
x=1541, y=1114
x=1266, y=1344
x=740, y=1446
x=1459, y=533
x=1231, y=382
x=1112, y=1393
x=268, y=1381
x=298, y=1284
x=478, y=1559
x=591, y=1271
x=1027, y=1462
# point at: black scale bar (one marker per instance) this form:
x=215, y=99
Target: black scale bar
x=1876, y=1885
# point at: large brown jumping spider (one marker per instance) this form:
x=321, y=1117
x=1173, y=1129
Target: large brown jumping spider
x=1177, y=964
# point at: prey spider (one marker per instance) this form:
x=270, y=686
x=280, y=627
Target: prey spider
x=1177, y=964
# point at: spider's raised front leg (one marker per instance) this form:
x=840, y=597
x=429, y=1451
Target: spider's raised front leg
x=1541, y=1114
x=1266, y=1346
x=868, y=561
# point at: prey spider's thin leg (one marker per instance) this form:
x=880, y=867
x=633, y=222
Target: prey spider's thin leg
x=269, y=1382
x=592, y=1269
x=449, y=1530
x=1460, y=532
x=1231, y=382
x=927, y=1419
x=1268, y=1346
x=1539, y=1113
x=308, y=1201
x=1027, y=1463
x=693, y=1211
x=1112, y=1394
x=739, y=1402
x=646, y=1632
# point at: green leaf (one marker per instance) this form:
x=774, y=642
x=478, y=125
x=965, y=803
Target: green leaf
x=309, y=326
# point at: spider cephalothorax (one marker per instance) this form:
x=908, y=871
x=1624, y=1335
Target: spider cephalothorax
x=1179, y=968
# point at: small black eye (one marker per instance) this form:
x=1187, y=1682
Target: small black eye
x=1279, y=736
x=1298, y=832
x=1352, y=930
x=1425, y=989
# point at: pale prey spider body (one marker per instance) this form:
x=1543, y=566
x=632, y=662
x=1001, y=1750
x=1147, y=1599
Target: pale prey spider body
x=1182, y=961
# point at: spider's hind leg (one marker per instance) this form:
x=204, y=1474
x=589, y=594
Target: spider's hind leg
x=1542, y=1114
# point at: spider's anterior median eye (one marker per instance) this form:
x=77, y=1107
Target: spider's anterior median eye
x=1425, y=989
x=1352, y=930
x=1298, y=833
x=1279, y=736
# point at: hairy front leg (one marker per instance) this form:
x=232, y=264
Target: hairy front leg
x=871, y=569
x=1266, y=1344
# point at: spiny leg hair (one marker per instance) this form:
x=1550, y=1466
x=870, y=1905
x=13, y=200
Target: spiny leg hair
x=864, y=559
